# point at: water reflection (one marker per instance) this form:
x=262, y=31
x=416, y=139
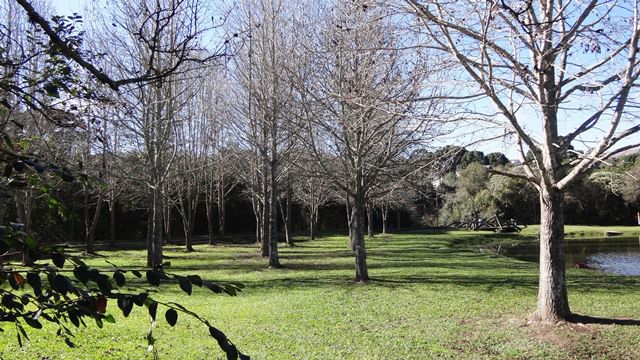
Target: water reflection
x=619, y=255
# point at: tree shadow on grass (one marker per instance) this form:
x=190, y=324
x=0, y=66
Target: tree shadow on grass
x=585, y=319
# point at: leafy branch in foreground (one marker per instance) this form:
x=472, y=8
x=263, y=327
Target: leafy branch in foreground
x=64, y=300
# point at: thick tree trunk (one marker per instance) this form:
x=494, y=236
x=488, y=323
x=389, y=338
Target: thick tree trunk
x=553, y=301
x=357, y=232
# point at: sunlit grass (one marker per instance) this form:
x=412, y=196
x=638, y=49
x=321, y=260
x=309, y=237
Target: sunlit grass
x=432, y=296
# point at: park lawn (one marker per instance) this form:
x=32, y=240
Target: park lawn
x=432, y=296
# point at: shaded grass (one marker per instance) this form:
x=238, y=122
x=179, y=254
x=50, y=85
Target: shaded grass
x=431, y=296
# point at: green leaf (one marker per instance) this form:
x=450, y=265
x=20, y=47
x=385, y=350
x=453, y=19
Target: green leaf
x=69, y=343
x=125, y=304
x=195, y=280
x=220, y=337
x=34, y=280
x=31, y=242
x=33, y=322
x=58, y=259
x=153, y=277
x=73, y=318
x=104, y=284
x=99, y=322
x=118, y=276
x=81, y=272
x=213, y=287
x=140, y=298
x=232, y=353
x=153, y=308
x=185, y=284
x=110, y=319
x=172, y=316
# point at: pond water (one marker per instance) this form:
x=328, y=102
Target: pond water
x=616, y=255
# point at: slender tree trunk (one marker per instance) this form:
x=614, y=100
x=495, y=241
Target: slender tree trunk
x=312, y=235
x=255, y=203
x=208, y=205
x=156, y=240
x=369, y=221
x=112, y=223
x=357, y=232
x=221, y=210
x=167, y=223
x=398, y=221
x=288, y=221
x=91, y=225
x=188, y=214
x=274, y=261
x=385, y=218
x=150, y=219
x=352, y=244
x=266, y=208
x=24, y=209
x=553, y=301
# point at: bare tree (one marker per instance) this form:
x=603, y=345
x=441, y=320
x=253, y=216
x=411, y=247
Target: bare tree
x=259, y=71
x=559, y=74
x=358, y=89
x=152, y=40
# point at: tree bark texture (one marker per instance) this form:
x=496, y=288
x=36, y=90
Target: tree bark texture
x=357, y=232
x=553, y=301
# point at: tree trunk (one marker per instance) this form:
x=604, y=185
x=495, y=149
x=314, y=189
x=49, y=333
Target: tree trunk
x=385, y=218
x=288, y=220
x=156, y=256
x=352, y=244
x=24, y=209
x=369, y=221
x=312, y=235
x=150, y=234
x=167, y=223
x=112, y=223
x=91, y=225
x=357, y=232
x=188, y=215
x=266, y=209
x=221, y=211
x=274, y=261
x=208, y=204
x=398, y=221
x=553, y=302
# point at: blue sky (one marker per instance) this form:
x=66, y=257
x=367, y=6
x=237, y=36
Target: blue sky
x=471, y=132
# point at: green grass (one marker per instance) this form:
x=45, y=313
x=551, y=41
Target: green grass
x=431, y=296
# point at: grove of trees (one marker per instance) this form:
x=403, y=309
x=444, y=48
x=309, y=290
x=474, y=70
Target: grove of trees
x=194, y=119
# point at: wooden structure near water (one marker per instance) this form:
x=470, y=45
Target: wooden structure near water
x=491, y=224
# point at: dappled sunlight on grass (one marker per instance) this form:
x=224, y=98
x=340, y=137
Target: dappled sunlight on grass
x=432, y=295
